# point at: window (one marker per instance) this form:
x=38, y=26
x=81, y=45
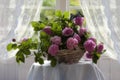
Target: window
x=49, y=7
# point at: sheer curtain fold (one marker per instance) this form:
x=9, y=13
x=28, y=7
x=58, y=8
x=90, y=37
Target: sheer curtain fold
x=103, y=20
x=15, y=17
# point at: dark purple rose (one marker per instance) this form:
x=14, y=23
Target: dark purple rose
x=88, y=55
x=79, y=21
x=89, y=45
x=76, y=36
x=67, y=31
x=48, y=30
x=82, y=31
x=100, y=47
x=53, y=49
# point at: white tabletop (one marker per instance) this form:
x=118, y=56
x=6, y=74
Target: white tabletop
x=79, y=71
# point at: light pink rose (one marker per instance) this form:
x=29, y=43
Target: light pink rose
x=56, y=40
x=48, y=30
x=75, y=43
x=79, y=20
x=76, y=36
x=72, y=43
x=67, y=31
x=100, y=47
x=89, y=45
x=53, y=49
x=82, y=31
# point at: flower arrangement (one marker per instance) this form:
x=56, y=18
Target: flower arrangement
x=62, y=32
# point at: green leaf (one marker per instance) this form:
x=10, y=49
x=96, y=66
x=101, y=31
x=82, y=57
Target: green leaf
x=34, y=45
x=37, y=57
x=66, y=14
x=57, y=29
x=41, y=61
x=27, y=52
x=87, y=35
x=104, y=51
x=95, y=58
x=41, y=26
x=25, y=44
x=20, y=57
x=37, y=26
x=43, y=35
x=14, y=46
x=44, y=44
x=9, y=47
x=53, y=62
x=58, y=13
x=49, y=57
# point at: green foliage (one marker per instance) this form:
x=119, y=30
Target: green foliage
x=37, y=26
x=44, y=45
x=11, y=46
x=66, y=15
x=96, y=56
x=38, y=58
x=43, y=35
x=53, y=62
x=58, y=13
x=20, y=56
x=47, y=13
x=23, y=47
x=56, y=28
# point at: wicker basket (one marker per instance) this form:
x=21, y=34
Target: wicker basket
x=69, y=56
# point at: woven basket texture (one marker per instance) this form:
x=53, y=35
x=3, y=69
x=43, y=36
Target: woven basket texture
x=69, y=56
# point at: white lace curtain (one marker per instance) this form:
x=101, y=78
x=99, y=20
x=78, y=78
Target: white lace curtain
x=103, y=20
x=15, y=17
x=102, y=16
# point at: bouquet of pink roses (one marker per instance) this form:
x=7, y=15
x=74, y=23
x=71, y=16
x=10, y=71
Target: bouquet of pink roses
x=62, y=32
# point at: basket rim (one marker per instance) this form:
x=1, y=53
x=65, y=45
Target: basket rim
x=68, y=52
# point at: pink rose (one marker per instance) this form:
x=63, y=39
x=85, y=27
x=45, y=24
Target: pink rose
x=53, y=49
x=76, y=36
x=67, y=31
x=100, y=47
x=72, y=43
x=79, y=21
x=89, y=45
x=93, y=39
x=56, y=40
x=82, y=31
x=48, y=30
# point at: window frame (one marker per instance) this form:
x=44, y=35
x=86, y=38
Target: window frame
x=63, y=5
